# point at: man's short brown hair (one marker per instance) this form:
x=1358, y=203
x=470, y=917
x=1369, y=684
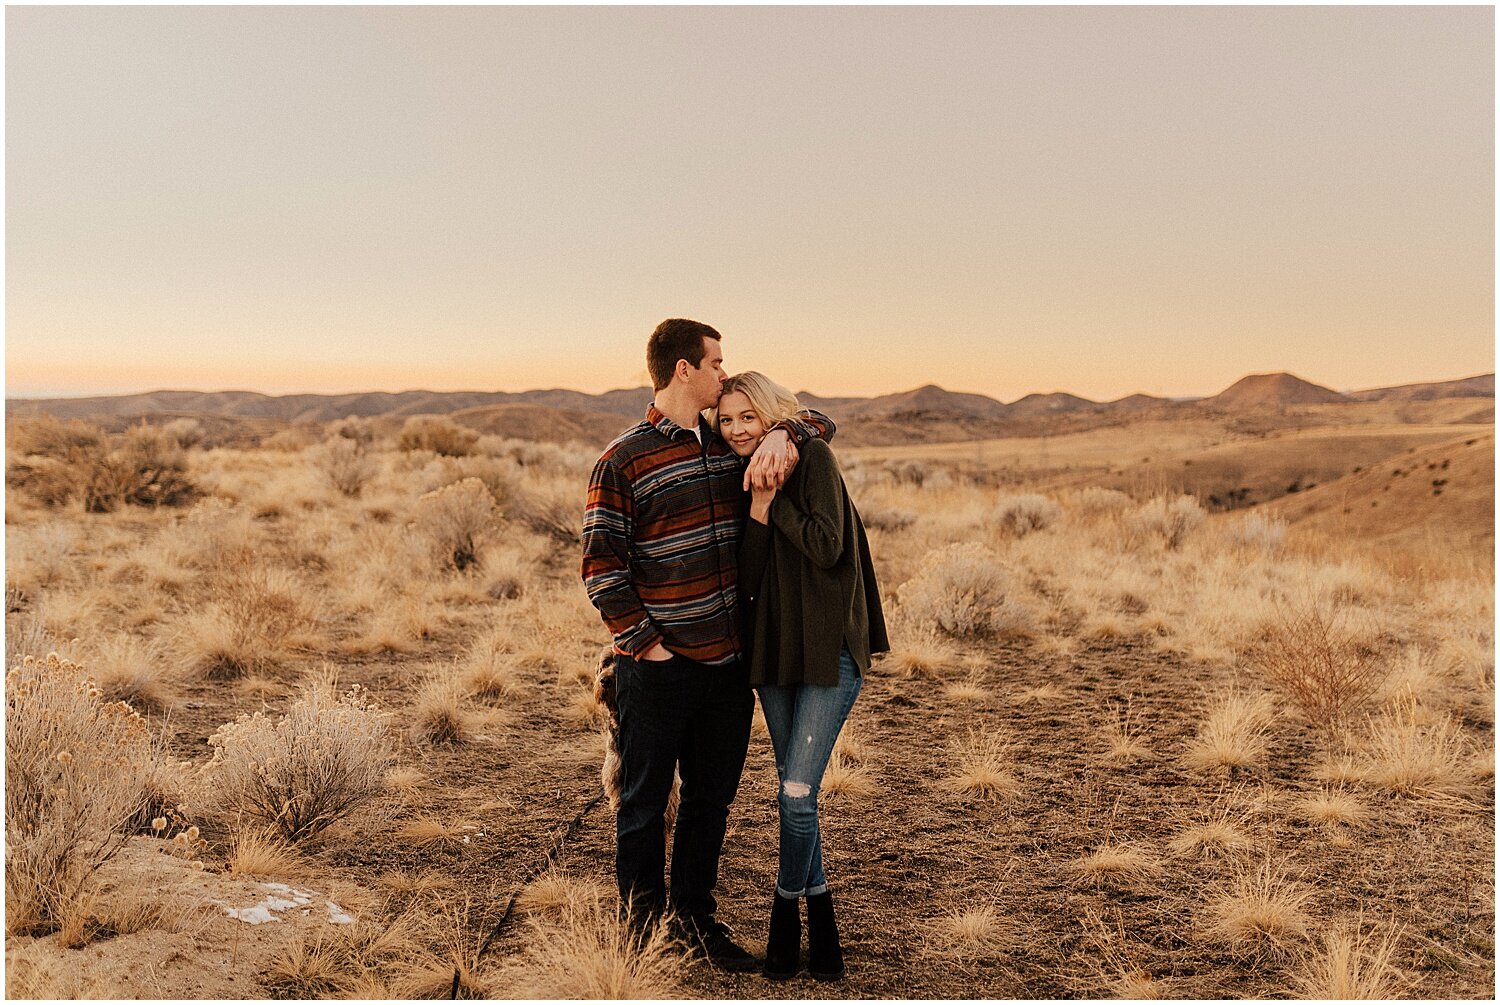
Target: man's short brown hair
x=674, y=339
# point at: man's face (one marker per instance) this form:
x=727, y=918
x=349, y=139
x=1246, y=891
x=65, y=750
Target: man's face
x=705, y=382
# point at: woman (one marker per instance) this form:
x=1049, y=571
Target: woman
x=812, y=621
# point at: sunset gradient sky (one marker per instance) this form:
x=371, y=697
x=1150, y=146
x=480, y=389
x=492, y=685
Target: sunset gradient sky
x=863, y=200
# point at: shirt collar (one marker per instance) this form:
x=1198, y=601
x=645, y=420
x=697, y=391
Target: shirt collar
x=666, y=426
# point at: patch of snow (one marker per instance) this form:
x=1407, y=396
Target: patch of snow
x=257, y=915
x=337, y=916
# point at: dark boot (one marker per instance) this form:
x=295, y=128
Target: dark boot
x=825, y=957
x=784, y=943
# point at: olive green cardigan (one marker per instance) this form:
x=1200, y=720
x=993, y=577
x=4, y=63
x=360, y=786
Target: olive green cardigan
x=806, y=581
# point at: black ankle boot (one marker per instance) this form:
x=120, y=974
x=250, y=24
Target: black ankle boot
x=784, y=943
x=825, y=957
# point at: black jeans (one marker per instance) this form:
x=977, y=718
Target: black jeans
x=695, y=718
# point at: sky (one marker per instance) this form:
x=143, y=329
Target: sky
x=862, y=200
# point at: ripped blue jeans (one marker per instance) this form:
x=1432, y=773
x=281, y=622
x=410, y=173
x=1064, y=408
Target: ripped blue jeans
x=804, y=721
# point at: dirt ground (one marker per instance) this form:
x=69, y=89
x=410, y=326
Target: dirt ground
x=898, y=858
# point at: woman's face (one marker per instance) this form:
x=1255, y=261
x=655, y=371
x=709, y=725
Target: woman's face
x=739, y=423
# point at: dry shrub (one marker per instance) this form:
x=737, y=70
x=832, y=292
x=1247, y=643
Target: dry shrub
x=878, y=516
x=962, y=590
x=1233, y=732
x=457, y=519
x=437, y=434
x=75, y=767
x=291, y=440
x=187, y=432
x=47, y=436
x=1019, y=515
x=1315, y=661
x=147, y=468
x=551, y=507
x=1170, y=521
x=316, y=764
x=1262, y=906
x=352, y=427
x=253, y=625
x=1255, y=531
x=1095, y=502
x=144, y=466
x=1351, y=965
x=981, y=766
x=590, y=954
x=344, y=463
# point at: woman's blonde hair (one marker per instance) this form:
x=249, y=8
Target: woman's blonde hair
x=771, y=401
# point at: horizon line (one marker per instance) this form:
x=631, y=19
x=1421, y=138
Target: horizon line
x=71, y=396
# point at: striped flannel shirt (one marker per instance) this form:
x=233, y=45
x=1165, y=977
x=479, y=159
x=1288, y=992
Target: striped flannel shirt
x=661, y=534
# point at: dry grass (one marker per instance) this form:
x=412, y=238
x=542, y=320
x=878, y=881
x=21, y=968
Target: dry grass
x=981, y=767
x=311, y=967
x=850, y=746
x=1262, y=906
x=972, y=932
x=1123, y=737
x=843, y=778
x=258, y=853
x=429, y=830
x=1332, y=808
x=1350, y=965
x=1115, y=862
x=438, y=715
x=555, y=894
x=1040, y=693
x=406, y=781
x=968, y=691
x=928, y=657
x=417, y=883
x=1222, y=829
x=129, y=670
x=254, y=624
x=1233, y=732
x=1115, y=965
x=1412, y=752
x=589, y=954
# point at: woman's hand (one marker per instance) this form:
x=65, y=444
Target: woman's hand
x=760, y=505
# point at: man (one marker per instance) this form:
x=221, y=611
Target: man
x=666, y=508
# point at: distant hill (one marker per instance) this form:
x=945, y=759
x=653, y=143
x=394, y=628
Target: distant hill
x=924, y=414
x=1482, y=386
x=1444, y=492
x=928, y=401
x=1271, y=390
x=1051, y=404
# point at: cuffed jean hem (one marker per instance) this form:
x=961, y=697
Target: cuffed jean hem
x=811, y=891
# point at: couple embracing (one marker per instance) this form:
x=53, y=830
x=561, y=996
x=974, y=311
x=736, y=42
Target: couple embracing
x=724, y=554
